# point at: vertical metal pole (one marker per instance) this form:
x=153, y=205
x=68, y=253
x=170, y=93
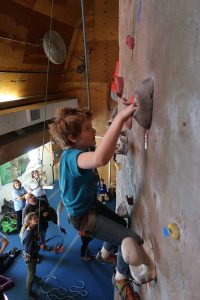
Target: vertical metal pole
x=86, y=55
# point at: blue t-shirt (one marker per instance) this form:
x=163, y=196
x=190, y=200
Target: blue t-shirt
x=19, y=204
x=78, y=186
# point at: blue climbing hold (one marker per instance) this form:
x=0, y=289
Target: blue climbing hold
x=166, y=232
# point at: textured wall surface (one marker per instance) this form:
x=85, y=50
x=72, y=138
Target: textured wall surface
x=164, y=178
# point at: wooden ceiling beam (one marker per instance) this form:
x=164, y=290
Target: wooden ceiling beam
x=68, y=12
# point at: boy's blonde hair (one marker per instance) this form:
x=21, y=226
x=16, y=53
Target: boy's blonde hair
x=27, y=220
x=68, y=121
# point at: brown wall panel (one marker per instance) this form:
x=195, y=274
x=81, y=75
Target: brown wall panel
x=28, y=85
x=103, y=59
x=106, y=20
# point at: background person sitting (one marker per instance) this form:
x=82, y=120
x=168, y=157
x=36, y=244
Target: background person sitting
x=6, y=259
x=5, y=285
x=102, y=192
x=18, y=195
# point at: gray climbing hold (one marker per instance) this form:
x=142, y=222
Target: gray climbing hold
x=144, y=100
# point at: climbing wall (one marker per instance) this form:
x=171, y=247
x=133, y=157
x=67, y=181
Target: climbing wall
x=161, y=170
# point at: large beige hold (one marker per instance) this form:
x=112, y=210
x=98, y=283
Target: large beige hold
x=144, y=99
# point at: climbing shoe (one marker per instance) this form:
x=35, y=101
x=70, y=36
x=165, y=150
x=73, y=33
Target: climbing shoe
x=125, y=289
x=111, y=259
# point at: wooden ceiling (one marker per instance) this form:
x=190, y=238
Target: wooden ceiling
x=23, y=63
x=64, y=11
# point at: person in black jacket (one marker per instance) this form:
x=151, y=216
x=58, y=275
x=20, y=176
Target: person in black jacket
x=29, y=239
x=40, y=207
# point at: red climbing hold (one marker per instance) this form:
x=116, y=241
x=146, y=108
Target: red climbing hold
x=130, y=41
x=120, y=86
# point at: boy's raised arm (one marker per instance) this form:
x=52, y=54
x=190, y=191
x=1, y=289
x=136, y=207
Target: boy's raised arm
x=103, y=153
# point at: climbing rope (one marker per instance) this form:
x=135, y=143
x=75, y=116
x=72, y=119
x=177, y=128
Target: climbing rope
x=78, y=288
x=45, y=101
x=86, y=55
x=60, y=292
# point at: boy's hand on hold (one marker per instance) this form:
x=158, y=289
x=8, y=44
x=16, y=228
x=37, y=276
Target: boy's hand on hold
x=128, y=111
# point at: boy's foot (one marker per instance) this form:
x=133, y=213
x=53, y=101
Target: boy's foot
x=125, y=289
x=111, y=259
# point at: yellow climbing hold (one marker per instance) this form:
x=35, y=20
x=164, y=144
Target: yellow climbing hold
x=174, y=231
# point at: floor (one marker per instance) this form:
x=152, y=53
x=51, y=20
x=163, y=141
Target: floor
x=65, y=276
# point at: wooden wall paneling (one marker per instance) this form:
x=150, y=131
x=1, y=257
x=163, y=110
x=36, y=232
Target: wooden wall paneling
x=28, y=84
x=9, y=28
x=26, y=3
x=15, y=19
x=64, y=11
x=99, y=107
x=106, y=20
x=72, y=46
x=102, y=60
x=30, y=28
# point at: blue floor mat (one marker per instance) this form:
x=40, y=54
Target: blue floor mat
x=92, y=279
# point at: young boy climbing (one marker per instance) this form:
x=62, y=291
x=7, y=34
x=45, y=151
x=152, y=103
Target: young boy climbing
x=73, y=129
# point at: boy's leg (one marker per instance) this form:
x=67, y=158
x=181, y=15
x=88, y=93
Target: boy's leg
x=107, y=212
x=133, y=254
x=122, y=283
x=112, y=232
